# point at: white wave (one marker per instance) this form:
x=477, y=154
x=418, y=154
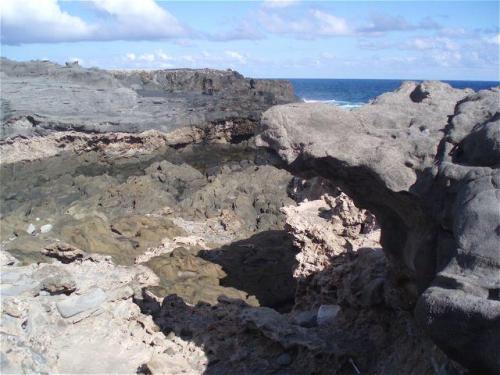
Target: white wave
x=338, y=103
x=332, y=101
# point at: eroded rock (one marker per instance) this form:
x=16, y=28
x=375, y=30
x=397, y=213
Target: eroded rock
x=55, y=333
x=219, y=105
x=408, y=159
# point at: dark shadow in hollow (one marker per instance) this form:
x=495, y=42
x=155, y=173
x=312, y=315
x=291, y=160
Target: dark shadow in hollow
x=261, y=265
x=370, y=332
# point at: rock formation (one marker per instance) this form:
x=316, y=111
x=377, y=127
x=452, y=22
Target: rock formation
x=327, y=231
x=349, y=314
x=66, y=318
x=424, y=160
x=138, y=207
x=39, y=97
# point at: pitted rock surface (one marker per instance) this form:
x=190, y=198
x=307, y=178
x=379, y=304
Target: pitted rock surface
x=44, y=332
x=424, y=159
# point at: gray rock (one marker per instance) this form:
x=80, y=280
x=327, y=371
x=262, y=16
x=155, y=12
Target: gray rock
x=284, y=359
x=306, y=318
x=64, y=252
x=123, y=292
x=327, y=314
x=55, y=280
x=36, y=339
x=46, y=228
x=31, y=229
x=276, y=327
x=105, y=101
x=75, y=304
x=15, y=282
x=6, y=259
x=424, y=160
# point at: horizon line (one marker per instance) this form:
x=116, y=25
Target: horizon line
x=254, y=77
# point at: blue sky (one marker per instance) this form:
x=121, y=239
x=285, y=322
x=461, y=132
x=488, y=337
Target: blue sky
x=288, y=38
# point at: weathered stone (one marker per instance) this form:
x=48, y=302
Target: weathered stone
x=327, y=313
x=31, y=229
x=63, y=252
x=102, y=101
x=55, y=280
x=417, y=162
x=46, y=228
x=36, y=339
x=76, y=304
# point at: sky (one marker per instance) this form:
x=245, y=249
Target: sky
x=448, y=40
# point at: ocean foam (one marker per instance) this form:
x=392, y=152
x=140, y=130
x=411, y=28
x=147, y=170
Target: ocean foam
x=338, y=103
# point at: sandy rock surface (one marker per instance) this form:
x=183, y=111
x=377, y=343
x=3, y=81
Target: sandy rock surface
x=65, y=318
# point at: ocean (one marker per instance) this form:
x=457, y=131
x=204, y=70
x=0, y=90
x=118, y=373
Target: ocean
x=352, y=93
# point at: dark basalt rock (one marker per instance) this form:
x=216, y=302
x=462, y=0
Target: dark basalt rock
x=427, y=167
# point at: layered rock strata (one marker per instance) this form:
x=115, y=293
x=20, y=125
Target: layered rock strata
x=40, y=97
x=424, y=160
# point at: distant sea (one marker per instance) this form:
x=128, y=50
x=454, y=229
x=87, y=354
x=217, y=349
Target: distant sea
x=352, y=93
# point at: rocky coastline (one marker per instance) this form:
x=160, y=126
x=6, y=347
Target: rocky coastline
x=196, y=221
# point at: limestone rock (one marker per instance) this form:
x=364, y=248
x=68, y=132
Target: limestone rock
x=46, y=228
x=79, y=303
x=55, y=333
x=325, y=232
x=31, y=229
x=424, y=160
x=63, y=252
x=55, y=280
x=219, y=103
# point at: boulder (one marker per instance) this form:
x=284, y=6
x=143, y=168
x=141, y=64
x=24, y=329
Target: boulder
x=424, y=160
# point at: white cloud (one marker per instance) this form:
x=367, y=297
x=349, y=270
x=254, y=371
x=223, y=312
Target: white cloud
x=148, y=57
x=279, y=3
x=201, y=59
x=43, y=21
x=137, y=20
x=245, y=30
x=447, y=58
x=327, y=56
x=328, y=24
x=314, y=24
x=432, y=43
x=381, y=23
x=454, y=32
x=236, y=56
x=39, y=21
x=417, y=43
x=130, y=56
x=493, y=39
x=162, y=55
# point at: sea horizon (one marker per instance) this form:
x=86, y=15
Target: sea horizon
x=354, y=93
